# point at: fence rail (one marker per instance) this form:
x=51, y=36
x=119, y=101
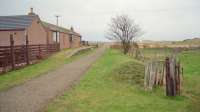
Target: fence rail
x=15, y=56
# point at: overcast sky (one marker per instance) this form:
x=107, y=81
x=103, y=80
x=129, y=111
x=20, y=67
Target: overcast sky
x=159, y=19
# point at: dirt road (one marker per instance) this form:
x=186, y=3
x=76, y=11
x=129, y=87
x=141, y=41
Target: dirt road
x=35, y=94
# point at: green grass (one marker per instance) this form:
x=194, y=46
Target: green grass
x=191, y=63
x=115, y=84
x=17, y=77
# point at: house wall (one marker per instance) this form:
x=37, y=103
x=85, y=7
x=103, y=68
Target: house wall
x=76, y=41
x=50, y=36
x=36, y=32
x=64, y=41
x=36, y=35
x=67, y=38
x=18, y=36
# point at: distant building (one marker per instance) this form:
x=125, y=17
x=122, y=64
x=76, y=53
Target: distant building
x=38, y=32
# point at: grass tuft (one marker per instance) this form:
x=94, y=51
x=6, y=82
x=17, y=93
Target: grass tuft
x=131, y=72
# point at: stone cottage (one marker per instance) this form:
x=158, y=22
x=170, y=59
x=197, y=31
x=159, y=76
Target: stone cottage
x=38, y=31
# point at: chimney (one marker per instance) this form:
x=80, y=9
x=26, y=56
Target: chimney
x=72, y=29
x=31, y=12
x=31, y=9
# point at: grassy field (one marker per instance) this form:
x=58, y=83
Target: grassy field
x=191, y=63
x=115, y=84
x=16, y=77
x=151, y=53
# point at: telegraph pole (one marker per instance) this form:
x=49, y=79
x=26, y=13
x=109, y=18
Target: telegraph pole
x=57, y=16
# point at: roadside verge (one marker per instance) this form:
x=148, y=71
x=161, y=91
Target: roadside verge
x=20, y=76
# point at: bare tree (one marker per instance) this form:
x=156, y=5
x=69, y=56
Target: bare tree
x=124, y=30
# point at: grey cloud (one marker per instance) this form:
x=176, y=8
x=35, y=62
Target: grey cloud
x=160, y=19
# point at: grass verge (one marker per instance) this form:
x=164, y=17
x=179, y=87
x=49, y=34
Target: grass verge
x=114, y=84
x=17, y=77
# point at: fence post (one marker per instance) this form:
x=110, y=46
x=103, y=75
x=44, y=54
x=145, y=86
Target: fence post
x=178, y=81
x=167, y=66
x=27, y=50
x=12, y=52
x=172, y=77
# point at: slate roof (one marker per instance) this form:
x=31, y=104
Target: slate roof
x=55, y=27
x=58, y=28
x=23, y=22
x=15, y=22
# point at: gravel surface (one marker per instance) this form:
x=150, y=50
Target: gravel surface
x=35, y=94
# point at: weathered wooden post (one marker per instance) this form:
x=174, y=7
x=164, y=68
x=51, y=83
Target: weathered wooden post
x=12, y=52
x=178, y=86
x=172, y=76
x=167, y=68
x=27, y=51
x=167, y=73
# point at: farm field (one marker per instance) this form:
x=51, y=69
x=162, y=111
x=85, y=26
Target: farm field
x=17, y=77
x=151, y=53
x=115, y=84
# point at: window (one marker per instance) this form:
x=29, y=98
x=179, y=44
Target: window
x=54, y=36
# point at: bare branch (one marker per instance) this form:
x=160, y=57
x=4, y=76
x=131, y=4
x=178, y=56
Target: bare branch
x=123, y=29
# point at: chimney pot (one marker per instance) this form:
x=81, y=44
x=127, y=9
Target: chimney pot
x=72, y=29
x=31, y=9
x=31, y=12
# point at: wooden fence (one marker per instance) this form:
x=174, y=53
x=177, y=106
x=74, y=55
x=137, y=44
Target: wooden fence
x=173, y=76
x=16, y=56
x=154, y=74
x=168, y=73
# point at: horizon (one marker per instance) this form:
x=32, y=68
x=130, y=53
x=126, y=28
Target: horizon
x=169, y=20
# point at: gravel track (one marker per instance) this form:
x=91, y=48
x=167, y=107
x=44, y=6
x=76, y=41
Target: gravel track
x=35, y=94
